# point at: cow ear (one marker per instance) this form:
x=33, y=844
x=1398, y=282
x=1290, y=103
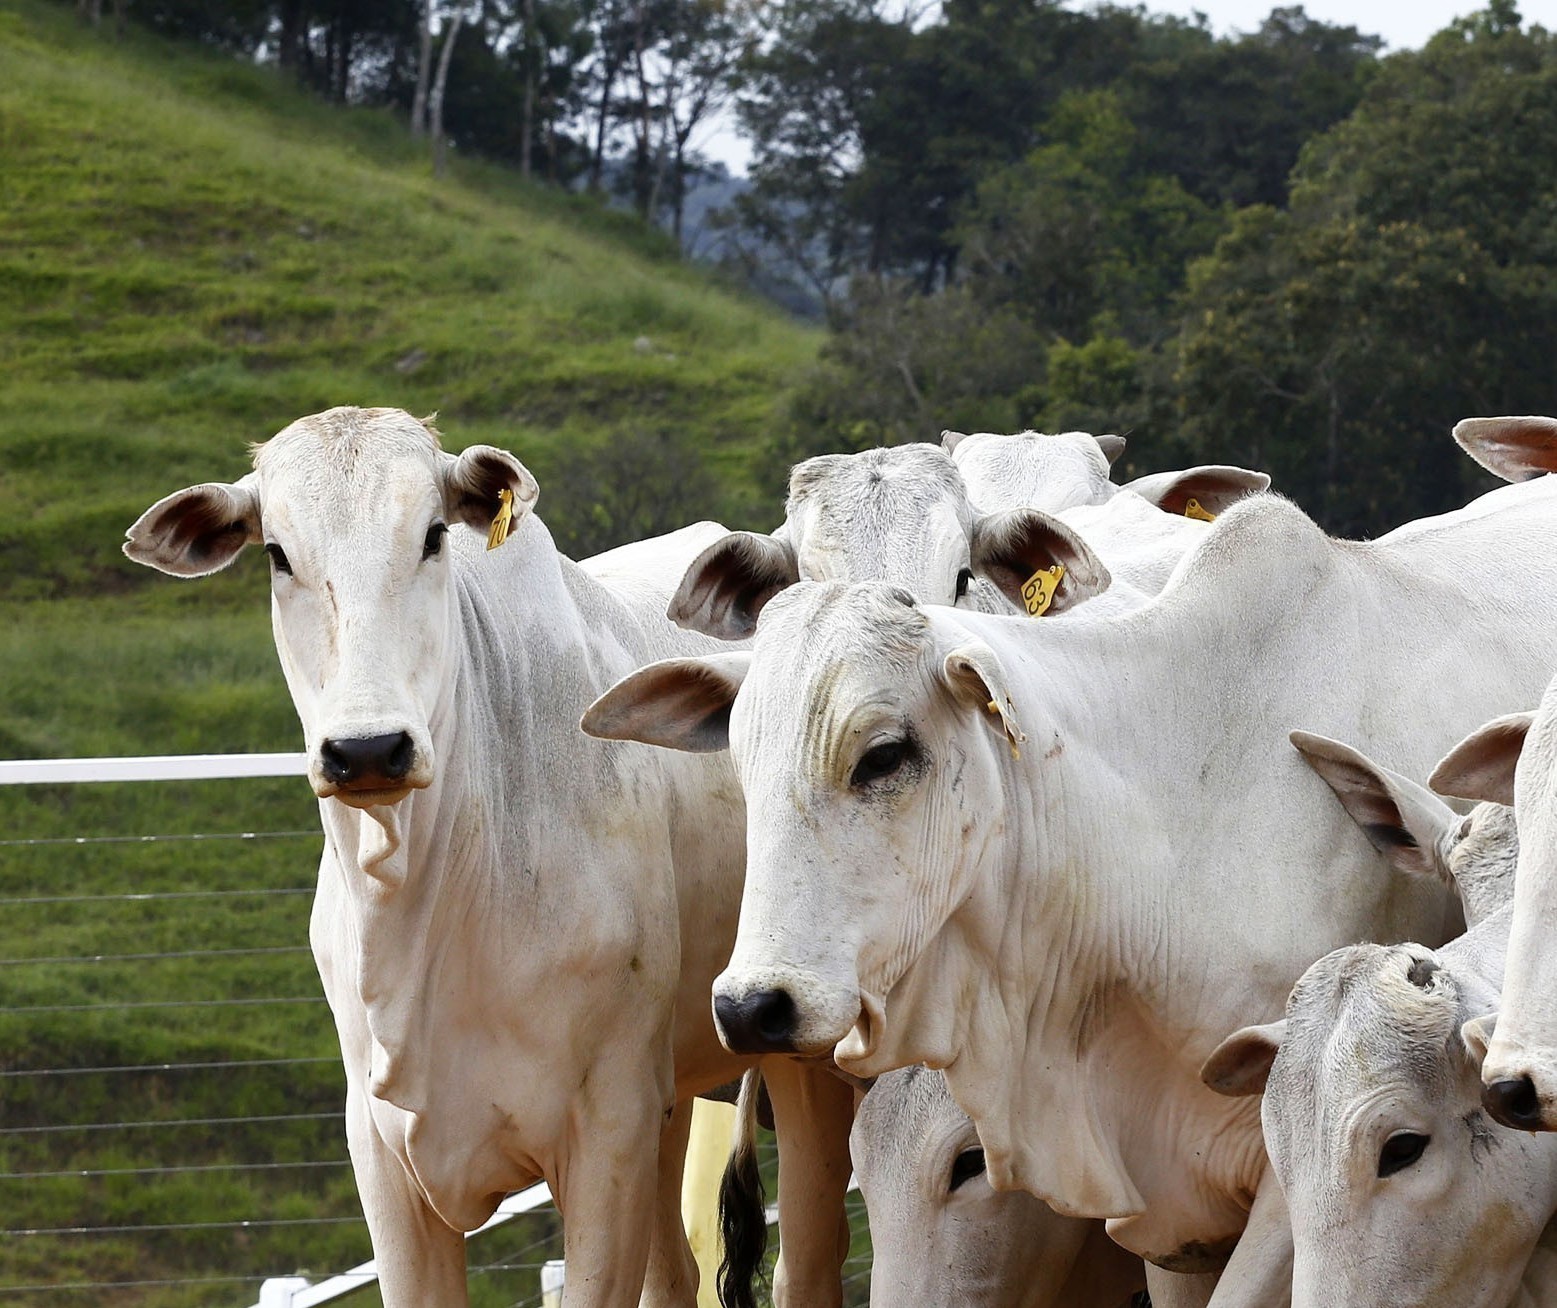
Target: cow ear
x=1404, y=821
x=1113, y=447
x=1515, y=449
x=975, y=677
x=1241, y=1064
x=473, y=483
x=1214, y=487
x=1476, y=1036
x=678, y=703
x=728, y=583
x=1481, y=767
x=199, y=530
x=1012, y=547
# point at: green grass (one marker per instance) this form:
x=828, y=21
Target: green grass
x=192, y=254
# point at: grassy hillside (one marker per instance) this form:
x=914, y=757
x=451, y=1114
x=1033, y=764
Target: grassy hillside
x=191, y=255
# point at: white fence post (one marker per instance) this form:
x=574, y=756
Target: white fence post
x=551, y=1283
x=277, y=1291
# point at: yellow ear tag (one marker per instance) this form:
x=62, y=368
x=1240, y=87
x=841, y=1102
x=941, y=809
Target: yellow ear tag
x=1193, y=510
x=1014, y=734
x=1038, y=590
x=503, y=523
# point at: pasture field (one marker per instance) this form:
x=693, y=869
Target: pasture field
x=191, y=255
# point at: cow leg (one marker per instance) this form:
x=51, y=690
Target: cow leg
x=812, y=1113
x=421, y=1259
x=1179, y=1289
x=1259, y=1274
x=606, y=1188
x=672, y=1277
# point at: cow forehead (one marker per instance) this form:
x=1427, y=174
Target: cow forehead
x=876, y=489
x=1361, y=1020
x=903, y=1105
x=825, y=652
x=346, y=452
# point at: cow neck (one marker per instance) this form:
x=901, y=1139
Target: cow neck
x=1054, y=1045
x=443, y=905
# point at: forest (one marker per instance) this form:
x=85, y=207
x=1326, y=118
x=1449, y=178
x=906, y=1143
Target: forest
x=1283, y=248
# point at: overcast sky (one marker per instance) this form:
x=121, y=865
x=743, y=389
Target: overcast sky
x=1404, y=25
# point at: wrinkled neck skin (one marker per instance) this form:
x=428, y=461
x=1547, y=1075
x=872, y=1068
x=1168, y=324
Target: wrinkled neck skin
x=1080, y=1104
x=1524, y=1042
x=441, y=919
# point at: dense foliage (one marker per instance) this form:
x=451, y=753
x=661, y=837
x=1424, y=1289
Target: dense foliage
x=1280, y=249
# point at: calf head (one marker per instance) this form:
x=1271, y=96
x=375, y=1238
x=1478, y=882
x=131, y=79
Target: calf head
x=868, y=735
x=353, y=507
x=943, y=1237
x=1400, y=1188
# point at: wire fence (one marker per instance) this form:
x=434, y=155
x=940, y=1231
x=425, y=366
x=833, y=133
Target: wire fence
x=171, y=1126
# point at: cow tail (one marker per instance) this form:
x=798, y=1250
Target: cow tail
x=743, y=1217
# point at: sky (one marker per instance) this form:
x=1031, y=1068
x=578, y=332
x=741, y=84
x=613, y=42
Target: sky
x=1404, y=25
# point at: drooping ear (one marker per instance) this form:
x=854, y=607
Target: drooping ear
x=1241, y=1064
x=1476, y=1036
x=474, y=480
x=1011, y=547
x=728, y=583
x=677, y=703
x=1405, y=822
x=950, y=440
x=1515, y=449
x=199, y=530
x=1214, y=487
x=1113, y=447
x=1481, y=767
x=975, y=677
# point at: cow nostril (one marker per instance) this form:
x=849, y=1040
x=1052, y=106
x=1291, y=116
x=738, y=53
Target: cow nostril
x=400, y=758
x=1514, y=1103
x=334, y=763
x=774, y=1015
x=762, y=1022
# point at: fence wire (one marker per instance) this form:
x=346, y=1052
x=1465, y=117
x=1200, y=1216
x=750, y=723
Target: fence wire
x=171, y=1095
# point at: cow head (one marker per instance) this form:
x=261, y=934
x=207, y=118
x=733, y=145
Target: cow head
x=942, y=1236
x=1515, y=757
x=868, y=735
x=1400, y=1188
x=354, y=509
x=1035, y=470
x=898, y=516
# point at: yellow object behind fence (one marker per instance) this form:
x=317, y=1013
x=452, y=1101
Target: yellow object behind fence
x=707, y=1150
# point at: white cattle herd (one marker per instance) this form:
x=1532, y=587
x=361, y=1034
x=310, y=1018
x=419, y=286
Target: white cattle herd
x=979, y=763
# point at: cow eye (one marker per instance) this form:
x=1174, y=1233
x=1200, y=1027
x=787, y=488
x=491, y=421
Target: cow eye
x=432, y=546
x=880, y=761
x=278, y=558
x=1400, y=1151
x=968, y=1164
x=964, y=580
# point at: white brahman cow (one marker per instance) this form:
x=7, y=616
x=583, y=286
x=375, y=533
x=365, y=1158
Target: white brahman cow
x=1062, y=859
x=903, y=515
x=941, y=1237
x=1399, y=1189
x=1520, y=1069
x=516, y=926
